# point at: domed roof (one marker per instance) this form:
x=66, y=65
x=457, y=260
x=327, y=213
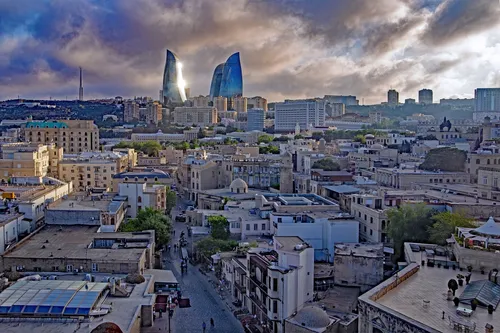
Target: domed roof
x=238, y=186
x=377, y=146
x=369, y=136
x=312, y=316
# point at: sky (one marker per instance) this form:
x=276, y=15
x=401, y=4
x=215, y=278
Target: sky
x=288, y=48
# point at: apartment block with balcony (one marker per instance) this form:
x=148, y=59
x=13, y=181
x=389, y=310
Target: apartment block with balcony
x=280, y=281
x=74, y=136
x=28, y=160
x=371, y=213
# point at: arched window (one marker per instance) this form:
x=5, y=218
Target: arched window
x=139, y=199
x=112, y=221
x=488, y=161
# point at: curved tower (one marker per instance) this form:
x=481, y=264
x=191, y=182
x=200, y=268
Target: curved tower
x=173, y=82
x=216, y=81
x=232, y=79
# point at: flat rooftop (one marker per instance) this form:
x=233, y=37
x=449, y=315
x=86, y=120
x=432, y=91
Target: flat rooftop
x=289, y=243
x=80, y=205
x=54, y=241
x=371, y=250
x=430, y=284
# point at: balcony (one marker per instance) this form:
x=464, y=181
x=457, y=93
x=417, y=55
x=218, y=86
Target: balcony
x=260, y=284
x=258, y=302
x=240, y=286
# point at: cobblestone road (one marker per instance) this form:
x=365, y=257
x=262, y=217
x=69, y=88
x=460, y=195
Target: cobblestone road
x=205, y=302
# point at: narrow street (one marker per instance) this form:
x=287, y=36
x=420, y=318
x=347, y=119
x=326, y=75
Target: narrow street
x=205, y=302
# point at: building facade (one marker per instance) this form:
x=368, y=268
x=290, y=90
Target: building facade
x=240, y=104
x=255, y=119
x=220, y=103
x=153, y=114
x=198, y=116
x=425, y=96
x=305, y=113
x=130, y=111
x=487, y=99
x=173, y=89
x=28, y=160
x=392, y=97
x=74, y=136
x=257, y=102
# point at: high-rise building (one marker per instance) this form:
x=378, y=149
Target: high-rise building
x=201, y=101
x=306, y=113
x=216, y=81
x=410, y=101
x=425, y=96
x=187, y=91
x=220, y=103
x=173, y=82
x=188, y=116
x=240, y=104
x=338, y=109
x=74, y=136
x=255, y=119
x=130, y=111
x=257, y=102
x=153, y=114
x=392, y=97
x=80, y=91
x=487, y=99
x=230, y=83
x=346, y=100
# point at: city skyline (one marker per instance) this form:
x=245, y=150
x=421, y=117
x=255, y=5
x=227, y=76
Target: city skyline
x=290, y=49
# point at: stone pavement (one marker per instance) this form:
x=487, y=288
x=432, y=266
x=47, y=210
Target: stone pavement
x=205, y=302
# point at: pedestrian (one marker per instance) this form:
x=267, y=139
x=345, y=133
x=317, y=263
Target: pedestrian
x=169, y=248
x=204, y=326
x=212, y=322
x=174, y=232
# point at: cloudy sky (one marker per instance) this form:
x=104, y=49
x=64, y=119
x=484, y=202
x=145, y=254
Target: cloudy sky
x=289, y=48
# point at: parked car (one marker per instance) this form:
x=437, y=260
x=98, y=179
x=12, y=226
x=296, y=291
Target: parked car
x=180, y=218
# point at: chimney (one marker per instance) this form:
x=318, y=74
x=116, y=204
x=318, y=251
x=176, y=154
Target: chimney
x=488, y=328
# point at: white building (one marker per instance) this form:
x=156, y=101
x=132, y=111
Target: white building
x=141, y=196
x=306, y=113
x=199, y=116
x=321, y=230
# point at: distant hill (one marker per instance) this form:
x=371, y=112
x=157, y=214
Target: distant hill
x=445, y=159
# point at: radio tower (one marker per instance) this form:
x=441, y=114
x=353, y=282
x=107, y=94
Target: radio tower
x=80, y=92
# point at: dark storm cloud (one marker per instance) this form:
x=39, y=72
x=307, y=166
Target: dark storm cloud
x=289, y=48
x=455, y=19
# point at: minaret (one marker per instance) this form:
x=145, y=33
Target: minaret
x=80, y=92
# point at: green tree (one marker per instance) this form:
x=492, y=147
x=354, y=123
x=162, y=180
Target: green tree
x=298, y=136
x=182, y=146
x=171, y=200
x=409, y=223
x=219, y=226
x=209, y=246
x=445, y=159
x=265, y=138
x=360, y=138
x=151, y=148
x=150, y=219
x=445, y=224
x=326, y=164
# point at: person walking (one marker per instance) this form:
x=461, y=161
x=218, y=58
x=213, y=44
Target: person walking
x=212, y=322
x=204, y=326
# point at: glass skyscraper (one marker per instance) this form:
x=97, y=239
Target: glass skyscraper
x=227, y=80
x=173, y=83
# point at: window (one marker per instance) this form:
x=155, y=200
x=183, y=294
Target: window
x=478, y=161
x=365, y=228
x=256, y=227
x=139, y=199
x=248, y=227
x=371, y=232
x=365, y=217
x=359, y=214
x=485, y=180
x=275, y=306
x=95, y=267
x=263, y=226
x=275, y=284
x=280, y=220
x=371, y=219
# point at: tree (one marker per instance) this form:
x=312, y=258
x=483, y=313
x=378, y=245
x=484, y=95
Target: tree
x=150, y=219
x=269, y=150
x=445, y=159
x=445, y=224
x=171, y=200
x=264, y=138
x=409, y=224
x=360, y=138
x=209, y=246
x=220, y=227
x=326, y=164
x=298, y=136
x=182, y=146
x=151, y=148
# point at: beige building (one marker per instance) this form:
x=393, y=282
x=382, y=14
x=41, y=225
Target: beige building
x=220, y=103
x=407, y=179
x=147, y=176
x=201, y=101
x=482, y=159
x=28, y=160
x=370, y=211
x=240, y=104
x=257, y=102
x=153, y=114
x=74, y=136
x=130, y=111
x=131, y=153
x=92, y=170
x=198, y=116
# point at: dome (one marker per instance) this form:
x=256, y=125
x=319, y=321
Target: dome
x=238, y=186
x=369, y=136
x=377, y=146
x=313, y=317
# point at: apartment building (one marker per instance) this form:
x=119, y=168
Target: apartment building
x=153, y=113
x=148, y=176
x=305, y=113
x=280, y=282
x=141, y=196
x=199, y=116
x=74, y=136
x=130, y=111
x=371, y=213
x=220, y=103
x=406, y=179
x=257, y=102
x=488, y=156
x=240, y=104
x=92, y=170
x=200, y=101
x=28, y=160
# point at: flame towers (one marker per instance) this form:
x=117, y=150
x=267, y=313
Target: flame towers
x=173, y=89
x=227, y=80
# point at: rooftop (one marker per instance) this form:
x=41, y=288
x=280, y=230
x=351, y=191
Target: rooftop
x=142, y=174
x=73, y=242
x=372, y=250
x=346, y=189
x=290, y=243
x=429, y=284
x=418, y=171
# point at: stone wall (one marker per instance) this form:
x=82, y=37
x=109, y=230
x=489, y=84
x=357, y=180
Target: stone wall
x=476, y=258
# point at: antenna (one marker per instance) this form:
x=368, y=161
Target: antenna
x=80, y=91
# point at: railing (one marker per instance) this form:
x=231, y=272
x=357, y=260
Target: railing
x=242, y=288
x=258, y=302
x=260, y=284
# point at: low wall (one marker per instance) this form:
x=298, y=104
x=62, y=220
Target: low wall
x=476, y=258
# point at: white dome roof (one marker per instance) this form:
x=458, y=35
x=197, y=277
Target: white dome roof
x=313, y=317
x=377, y=146
x=369, y=136
x=238, y=186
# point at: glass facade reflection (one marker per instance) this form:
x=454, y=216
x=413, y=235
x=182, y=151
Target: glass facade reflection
x=173, y=82
x=216, y=81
